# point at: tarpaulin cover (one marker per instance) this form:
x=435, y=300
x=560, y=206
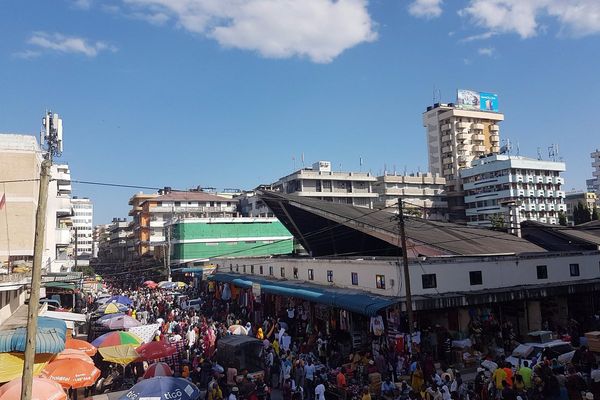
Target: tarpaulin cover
x=11, y=365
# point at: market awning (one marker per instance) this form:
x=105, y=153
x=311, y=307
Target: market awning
x=68, y=317
x=188, y=269
x=60, y=285
x=50, y=337
x=358, y=301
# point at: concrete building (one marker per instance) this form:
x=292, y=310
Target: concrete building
x=83, y=215
x=118, y=231
x=100, y=238
x=535, y=186
x=455, y=137
x=320, y=182
x=200, y=239
x=572, y=199
x=251, y=206
x=423, y=194
x=20, y=160
x=594, y=183
x=150, y=212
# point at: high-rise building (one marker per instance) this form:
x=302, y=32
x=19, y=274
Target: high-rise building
x=83, y=214
x=594, y=183
x=422, y=193
x=100, y=238
x=533, y=188
x=320, y=182
x=457, y=134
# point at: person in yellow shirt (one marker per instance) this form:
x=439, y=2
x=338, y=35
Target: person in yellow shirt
x=366, y=395
x=498, y=376
x=276, y=347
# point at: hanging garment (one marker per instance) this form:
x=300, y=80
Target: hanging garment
x=377, y=326
x=226, y=294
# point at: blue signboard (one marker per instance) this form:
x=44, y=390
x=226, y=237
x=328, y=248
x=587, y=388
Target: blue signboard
x=471, y=100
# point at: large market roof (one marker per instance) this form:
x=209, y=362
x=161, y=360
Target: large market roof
x=559, y=238
x=333, y=229
x=192, y=196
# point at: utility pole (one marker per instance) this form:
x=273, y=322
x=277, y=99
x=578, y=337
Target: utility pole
x=168, y=255
x=409, y=309
x=52, y=133
x=76, y=249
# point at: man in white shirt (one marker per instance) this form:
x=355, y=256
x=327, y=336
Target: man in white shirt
x=320, y=391
x=233, y=394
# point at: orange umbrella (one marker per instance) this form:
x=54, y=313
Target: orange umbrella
x=72, y=373
x=82, y=345
x=43, y=389
x=72, y=354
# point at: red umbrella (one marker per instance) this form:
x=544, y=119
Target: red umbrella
x=155, y=350
x=151, y=284
x=82, y=345
x=158, y=369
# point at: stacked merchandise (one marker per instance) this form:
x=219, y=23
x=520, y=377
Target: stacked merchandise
x=593, y=341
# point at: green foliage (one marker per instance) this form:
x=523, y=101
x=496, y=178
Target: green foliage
x=595, y=214
x=581, y=214
x=562, y=218
x=498, y=222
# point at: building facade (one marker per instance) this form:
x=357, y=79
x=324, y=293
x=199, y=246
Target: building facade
x=594, y=183
x=423, y=194
x=251, y=206
x=355, y=188
x=83, y=215
x=587, y=199
x=456, y=137
x=100, y=238
x=197, y=239
x=493, y=183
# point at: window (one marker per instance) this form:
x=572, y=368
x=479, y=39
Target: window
x=271, y=270
x=574, y=269
x=237, y=268
x=542, y=272
x=177, y=204
x=475, y=277
x=329, y=275
x=355, y=278
x=429, y=281
x=252, y=269
x=260, y=270
x=311, y=274
x=244, y=268
x=282, y=272
x=295, y=273
x=380, y=281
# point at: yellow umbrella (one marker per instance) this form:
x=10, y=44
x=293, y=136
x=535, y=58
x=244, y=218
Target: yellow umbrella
x=122, y=354
x=11, y=365
x=112, y=308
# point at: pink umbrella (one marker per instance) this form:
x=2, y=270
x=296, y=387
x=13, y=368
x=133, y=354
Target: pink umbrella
x=158, y=369
x=121, y=322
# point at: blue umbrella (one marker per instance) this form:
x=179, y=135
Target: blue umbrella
x=171, y=388
x=120, y=299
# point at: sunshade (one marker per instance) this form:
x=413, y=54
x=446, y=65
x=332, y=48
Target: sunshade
x=150, y=284
x=112, y=308
x=82, y=345
x=237, y=330
x=117, y=338
x=109, y=316
x=123, y=354
x=176, y=388
x=11, y=365
x=71, y=373
x=158, y=369
x=121, y=322
x=72, y=354
x=42, y=389
x=155, y=350
x=121, y=300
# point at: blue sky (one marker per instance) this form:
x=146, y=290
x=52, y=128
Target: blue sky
x=223, y=93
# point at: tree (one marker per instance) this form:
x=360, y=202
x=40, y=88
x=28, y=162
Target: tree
x=498, y=222
x=562, y=218
x=581, y=214
x=595, y=214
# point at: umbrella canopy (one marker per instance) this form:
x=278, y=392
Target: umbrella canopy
x=109, y=316
x=154, y=350
x=42, y=389
x=82, y=345
x=176, y=388
x=72, y=373
x=121, y=322
x=167, y=285
x=71, y=354
x=122, y=354
x=158, y=369
x=117, y=338
x=11, y=365
x=150, y=284
x=121, y=300
x=237, y=330
x=112, y=308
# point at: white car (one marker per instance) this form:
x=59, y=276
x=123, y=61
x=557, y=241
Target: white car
x=558, y=349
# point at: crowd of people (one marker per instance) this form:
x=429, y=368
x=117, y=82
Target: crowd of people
x=312, y=366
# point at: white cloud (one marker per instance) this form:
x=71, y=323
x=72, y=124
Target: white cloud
x=27, y=54
x=318, y=29
x=68, y=44
x=425, y=8
x=487, y=51
x=576, y=17
x=480, y=36
x=83, y=4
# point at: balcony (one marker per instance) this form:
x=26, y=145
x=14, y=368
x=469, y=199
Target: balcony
x=541, y=207
x=463, y=159
x=446, y=138
x=494, y=138
x=446, y=127
x=495, y=149
x=561, y=207
x=540, y=193
x=529, y=178
x=462, y=136
x=517, y=178
x=480, y=149
x=448, y=171
x=560, y=194
x=494, y=128
x=447, y=149
x=478, y=127
x=551, y=207
x=463, y=125
x=63, y=236
x=559, y=180
x=447, y=160
x=539, y=179
x=63, y=207
x=62, y=178
x=549, y=193
x=478, y=137
x=548, y=179
x=530, y=207
x=157, y=224
x=531, y=193
x=520, y=192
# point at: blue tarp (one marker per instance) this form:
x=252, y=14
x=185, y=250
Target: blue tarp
x=50, y=337
x=357, y=301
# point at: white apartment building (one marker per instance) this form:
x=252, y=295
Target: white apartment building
x=355, y=188
x=456, y=137
x=594, y=183
x=83, y=213
x=59, y=221
x=534, y=185
x=423, y=194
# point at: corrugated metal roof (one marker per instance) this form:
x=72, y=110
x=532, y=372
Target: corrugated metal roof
x=50, y=337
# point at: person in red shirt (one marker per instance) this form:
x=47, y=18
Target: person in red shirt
x=509, y=374
x=341, y=379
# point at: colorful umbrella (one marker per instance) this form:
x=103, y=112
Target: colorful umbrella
x=11, y=365
x=112, y=308
x=150, y=284
x=154, y=350
x=121, y=322
x=72, y=373
x=237, y=330
x=72, y=354
x=158, y=369
x=117, y=338
x=109, y=316
x=82, y=345
x=121, y=300
x=42, y=389
x=122, y=355
x=176, y=388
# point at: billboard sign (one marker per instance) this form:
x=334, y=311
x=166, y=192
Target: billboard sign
x=480, y=101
